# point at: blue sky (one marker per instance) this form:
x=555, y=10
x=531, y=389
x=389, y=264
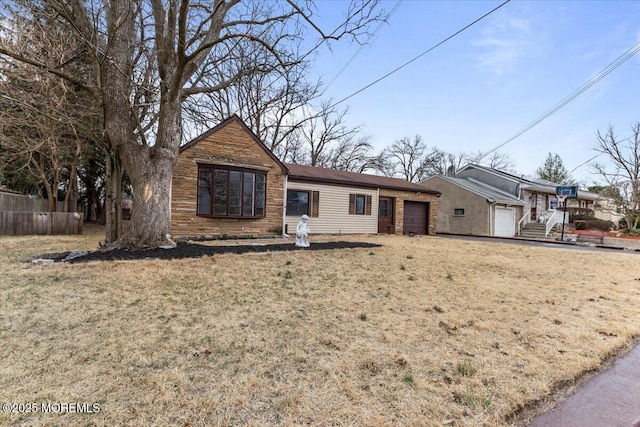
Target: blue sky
x=486, y=84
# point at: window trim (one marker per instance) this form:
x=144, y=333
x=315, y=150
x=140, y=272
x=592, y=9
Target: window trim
x=353, y=203
x=213, y=168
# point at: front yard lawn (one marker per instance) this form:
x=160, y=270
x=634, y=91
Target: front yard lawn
x=420, y=331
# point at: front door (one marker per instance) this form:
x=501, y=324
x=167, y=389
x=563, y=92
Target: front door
x=534, y=207
x=386, y=224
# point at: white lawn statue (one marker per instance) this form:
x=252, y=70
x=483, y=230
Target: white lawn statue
x=302, y=233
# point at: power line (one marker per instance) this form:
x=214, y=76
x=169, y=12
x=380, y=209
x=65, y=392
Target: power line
x=595, y=157
x=589, y=83
x=397, y=5
x=422, y=54
x=584, y=163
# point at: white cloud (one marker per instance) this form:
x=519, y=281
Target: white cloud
x=506, y=40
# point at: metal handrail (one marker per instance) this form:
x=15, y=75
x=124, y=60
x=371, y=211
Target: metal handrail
x=525, y=216
x=553, y=220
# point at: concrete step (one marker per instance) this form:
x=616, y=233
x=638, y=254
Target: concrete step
x=534, y=230
x=536, y=226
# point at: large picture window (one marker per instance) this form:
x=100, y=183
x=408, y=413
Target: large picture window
x=231, y=192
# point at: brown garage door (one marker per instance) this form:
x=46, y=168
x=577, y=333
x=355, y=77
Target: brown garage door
x=416, y=216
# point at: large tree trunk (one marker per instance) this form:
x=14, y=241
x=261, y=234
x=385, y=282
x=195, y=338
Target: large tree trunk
x=150, y=223
x=150, y=169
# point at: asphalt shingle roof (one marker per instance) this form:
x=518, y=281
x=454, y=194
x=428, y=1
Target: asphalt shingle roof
x=333, y=176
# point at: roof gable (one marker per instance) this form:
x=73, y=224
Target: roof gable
x=495, y=172
x=491, y=194
x=226, y=122
x=354, y=179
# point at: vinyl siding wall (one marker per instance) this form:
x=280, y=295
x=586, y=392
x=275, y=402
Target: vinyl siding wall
x=333, y=214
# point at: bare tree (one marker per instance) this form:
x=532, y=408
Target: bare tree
x=150, y=55
x=353, y=154
x=326, y=140
x=270, y=103
x=411, y=159
x=444, y=163
x=495, y=160
x=623, y=173
x=46, y=123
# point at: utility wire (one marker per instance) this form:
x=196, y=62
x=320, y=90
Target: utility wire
x=584, y=163
x=594, y=157
x=592, y=81
x=421, y=55
x=397, y=5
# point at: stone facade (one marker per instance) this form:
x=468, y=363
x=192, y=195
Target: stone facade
x=229, y=144
x=401, y=196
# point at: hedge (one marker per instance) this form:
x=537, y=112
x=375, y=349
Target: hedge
x=594, y=224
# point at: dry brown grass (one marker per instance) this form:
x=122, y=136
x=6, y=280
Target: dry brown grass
x=422, y=331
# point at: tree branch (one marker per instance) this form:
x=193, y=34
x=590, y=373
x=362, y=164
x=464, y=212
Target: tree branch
x=71, y=79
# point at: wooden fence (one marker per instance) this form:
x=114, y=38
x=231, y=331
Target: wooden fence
x=22, y=203
x=21, y=215
x=17, y=223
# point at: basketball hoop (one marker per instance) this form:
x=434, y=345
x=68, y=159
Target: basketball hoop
x=562, y=205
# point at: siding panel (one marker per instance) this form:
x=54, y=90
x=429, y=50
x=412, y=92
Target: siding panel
x=333, y=213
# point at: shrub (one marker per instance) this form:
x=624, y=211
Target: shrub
x=580, y=217
x=580, y=213
x=623, y=221
x=594, y=224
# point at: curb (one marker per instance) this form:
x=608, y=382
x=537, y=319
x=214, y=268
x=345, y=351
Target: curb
x=555, y=242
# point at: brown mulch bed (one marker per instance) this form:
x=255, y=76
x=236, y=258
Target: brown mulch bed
x=194, y=250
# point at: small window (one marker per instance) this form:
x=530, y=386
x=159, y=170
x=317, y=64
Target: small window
x=360, y=201
x=383, y=208
x=303, y=202
x=359, y=204
x=458, y=212
x=297, y=203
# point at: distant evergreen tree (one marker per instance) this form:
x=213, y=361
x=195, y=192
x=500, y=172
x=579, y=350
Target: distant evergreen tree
x=554, y=170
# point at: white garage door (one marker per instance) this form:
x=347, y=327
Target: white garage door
x=505, y=222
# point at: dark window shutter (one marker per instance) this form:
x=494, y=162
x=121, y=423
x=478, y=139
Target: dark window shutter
x=367, y=206
x=315, y=203
x=352, y=204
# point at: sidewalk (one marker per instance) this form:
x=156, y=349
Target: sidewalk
x=610, y=399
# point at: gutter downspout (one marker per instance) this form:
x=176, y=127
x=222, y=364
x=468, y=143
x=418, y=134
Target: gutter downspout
x=492, y=223
x=377, y=203
x=284, y=206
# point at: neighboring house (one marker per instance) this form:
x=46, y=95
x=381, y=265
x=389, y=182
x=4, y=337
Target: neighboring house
x=468, y=206
x=226, y=181
x=608, y=209
x=536, y=202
